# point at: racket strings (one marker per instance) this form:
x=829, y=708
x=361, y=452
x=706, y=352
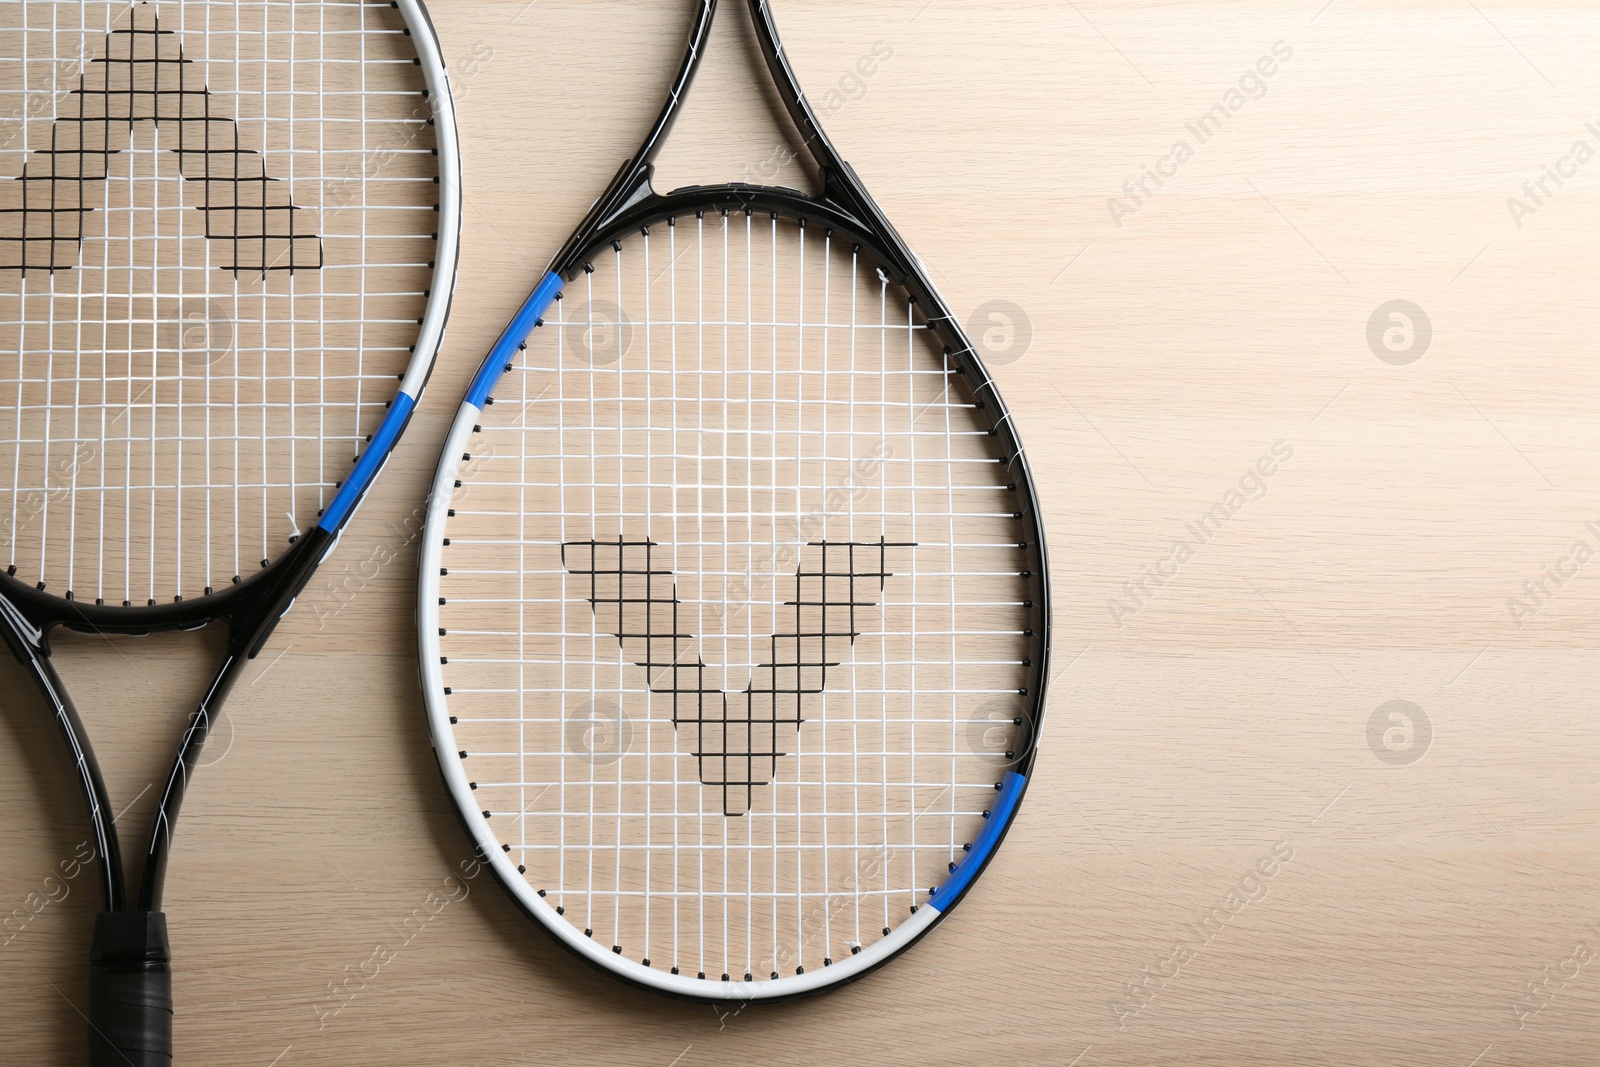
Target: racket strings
x=141, y=75
x=736, y=738
x=216, y=233
x=734, y=613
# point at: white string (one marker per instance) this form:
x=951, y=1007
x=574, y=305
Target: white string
x=727, y=420
x=799, y=478
x=266, y=506
x=673, y=379
x=210, y=264
x=772, y=615
x=649, y=497
x=749, y=560
x=822, y=764
x=700, y=505
x=236, y=309
x=855, y=705
x=916, y=535
x=522, y=593
x=622, y=482
x=883, y=507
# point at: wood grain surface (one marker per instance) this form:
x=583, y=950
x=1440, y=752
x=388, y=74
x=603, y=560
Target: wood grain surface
x=1275, y=511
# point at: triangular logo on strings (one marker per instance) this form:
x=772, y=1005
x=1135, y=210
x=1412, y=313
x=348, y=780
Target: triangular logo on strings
x=143, y=76
x=737, y=738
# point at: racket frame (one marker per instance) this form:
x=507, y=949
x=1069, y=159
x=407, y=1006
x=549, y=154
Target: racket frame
x=631, y=204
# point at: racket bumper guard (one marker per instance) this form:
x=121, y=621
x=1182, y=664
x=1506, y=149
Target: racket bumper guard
x=994, y=828
x=510, y=343
x=370, y=463
x=130, y=991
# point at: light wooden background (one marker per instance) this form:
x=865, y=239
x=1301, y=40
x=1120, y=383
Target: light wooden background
x=1226, y=719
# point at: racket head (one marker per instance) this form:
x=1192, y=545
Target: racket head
x=226, y=255
x=820, y=548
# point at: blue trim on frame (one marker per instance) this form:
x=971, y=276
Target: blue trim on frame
x=371, y=461
x=511, y=341
x=1005, y=806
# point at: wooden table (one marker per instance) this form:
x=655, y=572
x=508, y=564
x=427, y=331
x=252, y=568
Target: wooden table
x=1221, y=709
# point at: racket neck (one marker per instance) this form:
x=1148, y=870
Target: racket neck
x=632, y=182
x=153, y=877
x=28, y=644
x=840, y=185
x=251, y=612
x=631, y=191
x=699, y=43
x=794, y=99
x=249, y=630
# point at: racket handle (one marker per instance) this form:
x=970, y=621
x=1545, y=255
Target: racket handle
x=130, y=991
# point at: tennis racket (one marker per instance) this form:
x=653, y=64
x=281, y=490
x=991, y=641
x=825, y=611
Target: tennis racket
x=734, y=613
x=228, y=238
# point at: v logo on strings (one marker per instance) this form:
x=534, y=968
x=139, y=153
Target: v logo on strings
x=737, y=738
x=143, y=76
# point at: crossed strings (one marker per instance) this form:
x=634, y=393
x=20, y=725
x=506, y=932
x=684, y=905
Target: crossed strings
x=219, y=237
x=143, y=76
x=635, y=599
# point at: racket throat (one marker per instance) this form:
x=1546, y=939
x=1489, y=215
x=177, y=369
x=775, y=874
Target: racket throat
x=30, y=644
x=152, y=879
x=249, y=630
x=631, y=198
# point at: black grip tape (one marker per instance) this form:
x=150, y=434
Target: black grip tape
x=130, y=991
